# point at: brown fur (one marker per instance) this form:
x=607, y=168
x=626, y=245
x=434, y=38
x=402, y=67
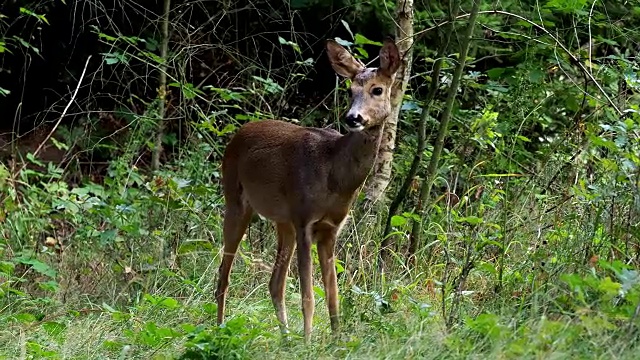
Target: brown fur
x=304, y=180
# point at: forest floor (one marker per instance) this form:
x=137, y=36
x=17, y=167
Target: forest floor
x=169, y=312
x=127, y=269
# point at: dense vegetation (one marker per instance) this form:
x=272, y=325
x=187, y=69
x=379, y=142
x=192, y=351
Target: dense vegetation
x=526, y=244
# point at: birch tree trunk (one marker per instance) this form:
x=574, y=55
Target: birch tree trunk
x=381, y=174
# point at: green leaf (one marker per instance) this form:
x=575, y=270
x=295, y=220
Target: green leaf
x=101, y=35
x=190, y=246
x=38, y=266
x=270, y=86
x=189, y=91
x=169, y=303
x=609, y=286
x=362, y=52
x=536, y=76
x=343, y=42
x=283, y=41
x=50, y=285
x=487, y=267
x=319, y=291
x=607, y=41
x=7, y=267
x=109, y=308
x=210, y=308
x=59, y=145
x=362, y=40
x=397, y=220
x=472, y=220
x=31, y=13
x=161, y=301
x=601, y=142
x=486, y=324
x=412, y=216
x=346, y=26
x=53, y=328
x=495, y=73
x=26, y=44
x=149, y=55
x=566, y=5
x=115, y=58
x=25, y=317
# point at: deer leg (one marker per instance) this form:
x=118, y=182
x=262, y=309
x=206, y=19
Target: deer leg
x=304, y=239
x=326, y=240
x=236, y=220
x=286, y=245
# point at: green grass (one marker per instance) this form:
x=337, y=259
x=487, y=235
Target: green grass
x=156, y=325
x=155, y=329
x=134, y=269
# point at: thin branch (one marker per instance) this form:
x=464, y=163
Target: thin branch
x=593, y=5
x=64, y=113
x=432, y=169
x=573, y=58
x=162, y=87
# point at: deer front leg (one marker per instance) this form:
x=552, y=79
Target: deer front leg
x=236, y=221
x=306, y=277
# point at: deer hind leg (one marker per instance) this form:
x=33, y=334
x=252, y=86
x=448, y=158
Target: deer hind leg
x=304, y=239
x=286, y=246
x=326, y=241
x=236, y=221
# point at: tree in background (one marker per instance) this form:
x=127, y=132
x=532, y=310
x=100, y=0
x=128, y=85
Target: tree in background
x=381, y=174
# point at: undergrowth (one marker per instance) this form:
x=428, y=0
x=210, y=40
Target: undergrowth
x=127, y=269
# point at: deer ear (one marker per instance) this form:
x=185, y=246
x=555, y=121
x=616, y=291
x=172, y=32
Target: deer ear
x=342, y=62
x=389, y=58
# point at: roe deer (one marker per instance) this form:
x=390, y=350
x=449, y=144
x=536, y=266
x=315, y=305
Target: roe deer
x=305, y=180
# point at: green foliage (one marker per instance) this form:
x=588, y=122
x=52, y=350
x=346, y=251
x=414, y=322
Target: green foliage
x=530, y=244
x=226, y=342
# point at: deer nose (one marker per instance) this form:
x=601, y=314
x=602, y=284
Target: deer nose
x=354, y=121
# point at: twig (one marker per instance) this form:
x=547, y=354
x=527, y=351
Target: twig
x=64, y=113
x=574, y=59
x=500, y=12
x=432, y=169
x=162, y=87
x=593, y=5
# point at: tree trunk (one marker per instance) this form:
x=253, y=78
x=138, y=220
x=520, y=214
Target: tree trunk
x=443, y=48
x=381, y=174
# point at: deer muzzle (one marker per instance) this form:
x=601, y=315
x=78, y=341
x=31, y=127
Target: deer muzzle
x=354, y=121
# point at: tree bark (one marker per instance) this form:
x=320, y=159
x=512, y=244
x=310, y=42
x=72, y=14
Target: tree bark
x=381, y=174
x=426, y=109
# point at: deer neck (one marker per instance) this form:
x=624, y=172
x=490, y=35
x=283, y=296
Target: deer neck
x=353, y=159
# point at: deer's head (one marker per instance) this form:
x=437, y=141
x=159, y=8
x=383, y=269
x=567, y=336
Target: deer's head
x=370, y=89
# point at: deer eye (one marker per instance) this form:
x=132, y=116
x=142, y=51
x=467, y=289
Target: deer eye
x=377, y=91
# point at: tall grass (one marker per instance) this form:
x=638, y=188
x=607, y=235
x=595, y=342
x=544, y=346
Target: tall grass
x=132, y=273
